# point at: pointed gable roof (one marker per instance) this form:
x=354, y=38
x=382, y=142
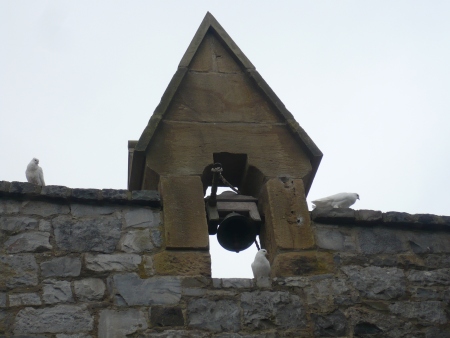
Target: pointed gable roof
x=208, y=24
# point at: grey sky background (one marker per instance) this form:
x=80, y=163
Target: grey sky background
x=369, y=81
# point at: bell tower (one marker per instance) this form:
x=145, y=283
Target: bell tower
x=218, y=109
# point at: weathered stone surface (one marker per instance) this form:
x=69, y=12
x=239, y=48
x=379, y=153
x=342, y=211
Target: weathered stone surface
x=177, y=334
x=114, y=262
x=56, y=291
x=61, y=267
x=44, y=209
x=264, y=309
x=45, y=226
x=136, y=241
x=9, y=206
x=237, y=335
x=431, y=311
x=86, y=194
x=28, y=242
x=89, y=289
x=166, y=316
x=115, y=194
x=20, y=299
x=86, y=210
x=4, y=186
x=333, y=215
x=302, y=263
x=294, y=281
x=18, y=270
x=377, y=283
x=156, y=237
x=151, y=291
x=394, y=217
x=142, y=218
x=177, y=263
x=237, y=283
x=287, y=221
x=120, y=324
x=146, y=196
x=429, y=242
x=24, y=188
x=377, y=240
x=332, y=325
x=369, y=216
x=325, y=294
x=57, y=319
x=430, y=278
x=2, y=299
x=18, y=224
x=221, y=315
x=96, y=234
x=184, y=212
x=76, y=335
x=334, y=238
x=56, y=191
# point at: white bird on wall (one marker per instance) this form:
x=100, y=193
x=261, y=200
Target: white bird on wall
x=341, y=200
x=34, y=173
x=261, y=265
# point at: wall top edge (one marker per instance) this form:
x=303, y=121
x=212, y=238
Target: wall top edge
x=391, y=219
x=57, y=192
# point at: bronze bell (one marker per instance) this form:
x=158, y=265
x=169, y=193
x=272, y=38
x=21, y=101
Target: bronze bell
x=236, y=232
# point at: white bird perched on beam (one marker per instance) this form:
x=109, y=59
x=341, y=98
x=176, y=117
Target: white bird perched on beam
x=341, y=200
x=261, y=265
x=34, y=173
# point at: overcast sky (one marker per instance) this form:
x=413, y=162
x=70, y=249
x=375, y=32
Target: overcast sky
x=369, y=81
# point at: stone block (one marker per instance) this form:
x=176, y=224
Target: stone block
x=287, y=220
x=166, y=316
x=428, y=242
x=44, y=209
x=302, y=263
x=96, y=234
x=146, y=197
x=86, y=194
x=9, y=206
x=45, y=226
x=4, y=186
x=57, y=319
x=24, y=188
x=334, y=238
x=397, y=218
x=114, y=262
x=18, y=224
x=87, y=210
x=424, y=312
x=430, y=278
x=28, y=242
x=369, y=216
x=119, y=324
x=156, y=237
x=217, y=316
x=24, y=299
x=177, y=334
x=2, y=299
x=142, y=218
x=151, y=291
x=333, y=215
x=56, y=291
x=331, y=325
x=379, y=241
x=184, y=212
x=136, y=241
x=56, y=191
x=18, y=270
x=76, y=335
x=115, y=195
x=186, y=263
x=377, y=283
x=89, y=289
x=237, y=283
x=61, y=267
x=266, y=309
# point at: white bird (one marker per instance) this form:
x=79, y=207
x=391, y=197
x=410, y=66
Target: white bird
x=341, y=200
x=261, y=265
x=34, y=173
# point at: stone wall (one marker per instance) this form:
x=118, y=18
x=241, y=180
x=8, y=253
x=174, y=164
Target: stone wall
x=93, y=263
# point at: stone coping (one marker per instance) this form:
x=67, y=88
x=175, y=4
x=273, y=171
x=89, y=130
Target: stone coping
x=350, y=217
x=29, y=190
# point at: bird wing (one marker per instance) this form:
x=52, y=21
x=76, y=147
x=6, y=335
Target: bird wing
x=41, y=176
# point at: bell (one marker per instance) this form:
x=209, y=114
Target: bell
x=236, y=232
